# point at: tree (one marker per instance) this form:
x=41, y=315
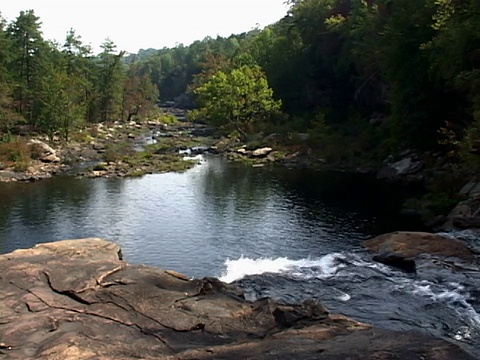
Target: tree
x=110, y=82
x=8, y=116
x=79, y=64
x=60, y=101
x=237, y=99
x=140, y=95
x=27, y=51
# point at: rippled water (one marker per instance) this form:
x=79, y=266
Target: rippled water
x=193, y=222
x=288, y=234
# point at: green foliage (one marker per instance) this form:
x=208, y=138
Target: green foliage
x=60, y=104
x=27, y=55
x=56, y=88
x=413, y=65
x=168, y=119
x=237, y=99
x=117, y=152
x=140, y=95
x=111, y=75
x=101, y=167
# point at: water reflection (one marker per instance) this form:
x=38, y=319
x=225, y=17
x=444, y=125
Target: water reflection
x=193, y=222
x=53, y=209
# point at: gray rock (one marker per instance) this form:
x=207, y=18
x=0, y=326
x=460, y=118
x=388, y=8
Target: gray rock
x=404, y=169
x=467, y=188
x=464, y=216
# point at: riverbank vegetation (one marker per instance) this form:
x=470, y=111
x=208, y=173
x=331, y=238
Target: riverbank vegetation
x=54, y=88
x=355, y=82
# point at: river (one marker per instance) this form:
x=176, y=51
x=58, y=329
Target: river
x=289, y=234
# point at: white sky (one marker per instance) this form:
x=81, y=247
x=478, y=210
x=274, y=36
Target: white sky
x=137, y=24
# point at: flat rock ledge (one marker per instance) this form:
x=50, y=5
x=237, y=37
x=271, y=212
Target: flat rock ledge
x=77, y=299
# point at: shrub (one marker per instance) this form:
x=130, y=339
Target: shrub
x=16, y=151
x=168, y=119
x=117, y=152
x=101, y=167
x=21, y=166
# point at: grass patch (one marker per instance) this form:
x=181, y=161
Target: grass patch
x=81, y=136
x=21, y=166
x=15, y=153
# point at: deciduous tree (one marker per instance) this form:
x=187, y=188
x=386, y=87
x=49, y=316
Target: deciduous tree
x=237, y=99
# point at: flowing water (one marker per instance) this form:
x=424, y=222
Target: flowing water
x=288, y=234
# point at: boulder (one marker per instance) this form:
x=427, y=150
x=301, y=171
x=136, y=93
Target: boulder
x=465, y=215
x=397, y=260
x=261, y=152
x=77, y=299
x=406, y=168
x=401, y=249
x=199, y=150
x=42, y=151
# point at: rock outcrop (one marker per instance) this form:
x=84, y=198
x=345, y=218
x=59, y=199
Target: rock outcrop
x=43, y=151
x=77, y=299
x=402, y=249
x=466, y=215
x=407, y=169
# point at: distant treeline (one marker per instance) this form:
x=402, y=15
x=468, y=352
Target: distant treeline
x=55, y=87
x=383, y=74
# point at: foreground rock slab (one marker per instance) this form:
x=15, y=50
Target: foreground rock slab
x=76, y=299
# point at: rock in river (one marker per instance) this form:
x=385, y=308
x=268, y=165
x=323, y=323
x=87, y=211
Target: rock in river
x=414, y=244
x=76, y=299
x=402, y=249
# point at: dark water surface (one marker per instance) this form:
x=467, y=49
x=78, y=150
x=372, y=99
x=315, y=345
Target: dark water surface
x=288, y=234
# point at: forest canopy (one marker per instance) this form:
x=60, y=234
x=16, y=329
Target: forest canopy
x=385, y=74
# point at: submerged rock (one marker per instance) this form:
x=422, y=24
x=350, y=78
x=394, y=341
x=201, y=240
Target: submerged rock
x=77, y=299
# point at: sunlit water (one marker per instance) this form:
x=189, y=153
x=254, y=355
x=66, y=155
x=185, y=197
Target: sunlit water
x=288, y=234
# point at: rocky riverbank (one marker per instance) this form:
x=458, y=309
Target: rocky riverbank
x=77, y=299
x=112, y=150
x=137, y=148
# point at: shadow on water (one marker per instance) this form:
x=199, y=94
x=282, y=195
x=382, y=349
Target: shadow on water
x=335, y=197
x=361, y=196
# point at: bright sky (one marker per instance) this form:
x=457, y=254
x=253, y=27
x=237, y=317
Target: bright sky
x=137, y=24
